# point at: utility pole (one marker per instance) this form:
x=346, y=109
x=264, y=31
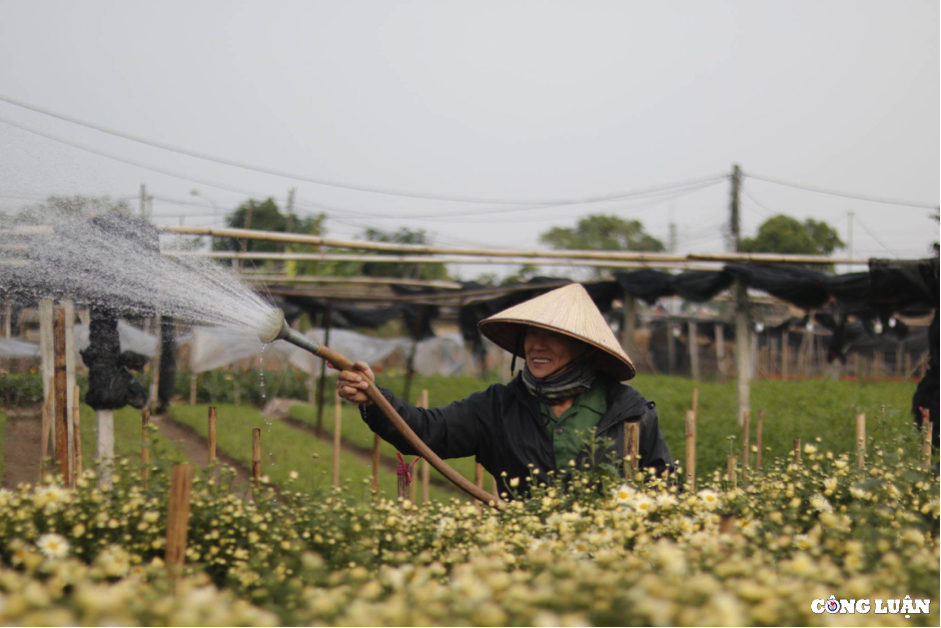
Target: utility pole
x=743, y=370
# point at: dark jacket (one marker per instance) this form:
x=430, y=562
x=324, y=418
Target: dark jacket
x=502, y=428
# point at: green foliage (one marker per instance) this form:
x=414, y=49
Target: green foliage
x=265, y=216
x=602, y=232
x=783, y=234
x=21, y=389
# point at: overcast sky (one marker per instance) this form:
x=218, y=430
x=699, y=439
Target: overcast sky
x=538, y=102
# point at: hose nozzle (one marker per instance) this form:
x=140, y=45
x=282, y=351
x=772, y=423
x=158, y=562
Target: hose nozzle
x=276, y=328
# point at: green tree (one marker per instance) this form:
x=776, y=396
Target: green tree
x=602, y=232
x=264, y=216
x=783, y=234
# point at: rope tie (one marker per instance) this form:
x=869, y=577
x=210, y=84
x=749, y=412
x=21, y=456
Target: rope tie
x=406, y=469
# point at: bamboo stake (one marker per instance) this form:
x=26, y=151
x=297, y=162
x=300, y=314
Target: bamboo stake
x=178, y=512
x=337, y=412
x=403, y=487
x=861, y=441
x=691, y=449
x=212, y=434
x=375, y=464
x=145, y=446
x=761, y=421
x=732, y=469
x=256, y=457
x=61, y=397
x=77, y=436
x=425, y=467
x=193, y=389
x=745, y=441
x=797, y=451
x=631, y=444
x=44, y=437
x=695, y=403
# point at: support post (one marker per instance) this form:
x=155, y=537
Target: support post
x=758, y=435
x=104, y=449
x=76, y=437
x=178, y=513
x=337, y=433
x=193, y=389
x=321, y=386
x=145, y=447
x=691, y=450
x=69, y=308
x=425, y=467
x=45, y=427
x=797, y=451
x=403, y=487
x=720, y=350
x=211, y=432
x=860, y=441
x=47, y=353
x=256, y=457
x=154, y=402
x=927, y=428
x=745, y=442
x=628, y=322
x=631, y=445
x=671, y=347
x=742, y=351
x=695, y=402
x=62, y=406
x=693, y=348
x=732, y=470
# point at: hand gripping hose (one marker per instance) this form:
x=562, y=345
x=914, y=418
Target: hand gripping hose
x=279, y=330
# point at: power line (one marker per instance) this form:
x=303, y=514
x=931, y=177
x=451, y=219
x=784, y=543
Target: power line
x=873, y=236
x=320, y=181
x=860, y=197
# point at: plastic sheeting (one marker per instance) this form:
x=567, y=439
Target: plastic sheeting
x=215, y=347
x=10, y=348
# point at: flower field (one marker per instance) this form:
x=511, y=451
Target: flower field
x=604, y=552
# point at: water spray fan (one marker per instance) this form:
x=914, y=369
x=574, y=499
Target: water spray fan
x=276, y=328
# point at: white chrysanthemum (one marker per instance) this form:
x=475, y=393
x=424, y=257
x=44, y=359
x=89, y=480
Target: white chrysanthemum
x=623, y=494
x=53, y=545
x=820, y=503
x=643, y=503
x=50, y=496
x=708, y=498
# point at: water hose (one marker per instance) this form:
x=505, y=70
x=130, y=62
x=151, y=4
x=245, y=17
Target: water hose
x=277, y=329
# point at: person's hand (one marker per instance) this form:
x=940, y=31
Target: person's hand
x=352, y=384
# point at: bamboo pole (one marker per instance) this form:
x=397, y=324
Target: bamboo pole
x=631, y=444
x=145, y=447
x=403, y=486
x=193, y=389
x=758, y=434
x=212, y=434
x=861, y=441
x=256, y=457
x=695, y=403
x=743, y=368
x=368, y=281
x=337, y=433
x=425, y=467
x=375, y=464
x=720, y=351
x=178, y=512
x=479, y=475
x=797, y=451
x=154, y=402
x=77, y=437
x=745, y=442
x=691, y=449
x=45, y=427
x=732, y=469
x=61, y=398
x=274, y=236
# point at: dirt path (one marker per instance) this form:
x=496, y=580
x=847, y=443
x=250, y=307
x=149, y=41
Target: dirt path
x=21, y=446
x=196, y=448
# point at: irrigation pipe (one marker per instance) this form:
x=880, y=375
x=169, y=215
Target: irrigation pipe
x=278, y=329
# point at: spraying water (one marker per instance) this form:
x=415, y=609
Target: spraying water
x=115, y=261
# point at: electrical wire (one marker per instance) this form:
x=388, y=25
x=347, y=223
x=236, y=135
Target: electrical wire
x=873, y=236
x=325, y=182
x=860, y=197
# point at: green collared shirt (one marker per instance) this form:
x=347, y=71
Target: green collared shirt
x=569, y=430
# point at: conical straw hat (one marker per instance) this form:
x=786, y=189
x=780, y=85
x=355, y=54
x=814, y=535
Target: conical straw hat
x=568, y=310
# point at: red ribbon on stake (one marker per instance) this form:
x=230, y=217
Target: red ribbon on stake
x=406, y=469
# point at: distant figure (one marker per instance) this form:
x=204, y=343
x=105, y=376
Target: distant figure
x=569, y=387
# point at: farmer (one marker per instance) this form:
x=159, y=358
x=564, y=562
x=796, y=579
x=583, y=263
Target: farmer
x=569, y=388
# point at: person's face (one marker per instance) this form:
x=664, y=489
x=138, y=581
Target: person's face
x=546, y=351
